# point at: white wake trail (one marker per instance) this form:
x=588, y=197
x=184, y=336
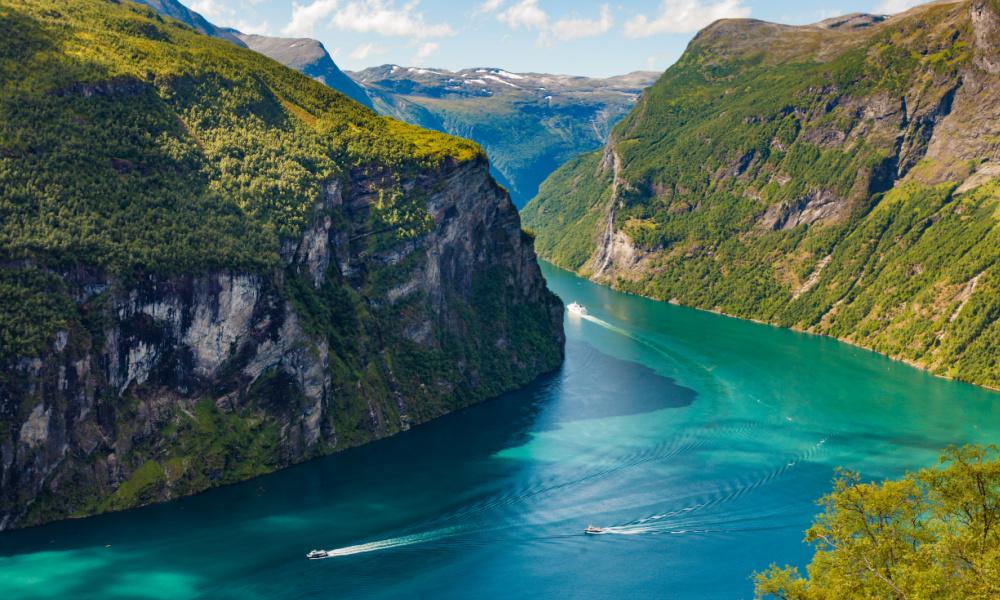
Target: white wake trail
x=396, y=542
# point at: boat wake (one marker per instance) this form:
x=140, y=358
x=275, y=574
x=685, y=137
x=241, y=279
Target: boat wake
x=686, y=520
x=396, y=542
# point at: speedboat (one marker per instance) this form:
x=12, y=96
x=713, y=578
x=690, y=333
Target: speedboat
x=317, y=554
x=575, y=308
x=591, y=530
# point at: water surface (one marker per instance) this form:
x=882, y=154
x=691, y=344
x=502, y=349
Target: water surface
x=701, y=441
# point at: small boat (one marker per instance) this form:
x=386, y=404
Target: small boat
x=575, y=308
x=317, y=554
x=591, y=530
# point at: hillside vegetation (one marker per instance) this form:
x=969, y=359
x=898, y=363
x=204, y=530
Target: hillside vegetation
x=213, y=266
x=836, y=178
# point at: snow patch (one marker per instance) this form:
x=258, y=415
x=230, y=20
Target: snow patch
x=494, y=78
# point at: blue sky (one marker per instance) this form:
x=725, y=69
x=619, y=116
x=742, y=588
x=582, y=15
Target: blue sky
x=577, y=37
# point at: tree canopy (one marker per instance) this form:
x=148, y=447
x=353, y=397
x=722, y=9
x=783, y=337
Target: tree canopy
x=931, y=534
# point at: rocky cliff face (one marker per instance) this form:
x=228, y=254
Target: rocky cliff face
x=186, y=382
x=837, y=178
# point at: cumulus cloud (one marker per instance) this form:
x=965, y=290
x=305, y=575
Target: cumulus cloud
x=305, y=16
x=366, y=16
x=571, y=29
x=425, y=51
x=489, y=6
x=382, y=17
x=525, y=13
x=684, y=16
x=891, y=7
x=254, y=27
x=213, y=10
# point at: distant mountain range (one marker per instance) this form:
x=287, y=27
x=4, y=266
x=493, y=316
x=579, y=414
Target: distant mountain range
x=528, y=123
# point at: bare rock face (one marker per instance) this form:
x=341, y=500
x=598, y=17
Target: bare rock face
x=985, y=16
x=185, y=382
x=821, y=205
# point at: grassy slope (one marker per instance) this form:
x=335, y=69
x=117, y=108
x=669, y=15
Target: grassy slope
x=131, y=143
x=896, y=273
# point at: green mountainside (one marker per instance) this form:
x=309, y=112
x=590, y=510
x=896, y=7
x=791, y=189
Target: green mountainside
x=528, y=123
x=212, y=266
x=837, y=178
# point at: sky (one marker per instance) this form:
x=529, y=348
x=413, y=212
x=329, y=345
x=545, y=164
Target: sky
x=574, y=37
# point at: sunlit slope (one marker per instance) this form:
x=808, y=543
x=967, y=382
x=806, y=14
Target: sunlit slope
x=836, y=178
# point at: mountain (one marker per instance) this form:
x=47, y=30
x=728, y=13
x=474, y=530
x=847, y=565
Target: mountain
x=305, y=55
x=308, y=57
x=528, y=123
x=837, y=178
x=176, y=10
x=212, y=266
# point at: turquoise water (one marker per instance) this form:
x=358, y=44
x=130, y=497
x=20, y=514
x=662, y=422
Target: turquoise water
x=701, y=441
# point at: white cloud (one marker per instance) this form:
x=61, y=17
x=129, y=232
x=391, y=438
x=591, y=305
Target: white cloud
x=304, y=16
x=258, y=28
x=571, y=29
x=891, y=7
x=425, y=51
x=383, y=17
x=365, y=51
x=684, y=16
x=489, y=6
x=365, y=16
x=525, y=13
x=212, y=10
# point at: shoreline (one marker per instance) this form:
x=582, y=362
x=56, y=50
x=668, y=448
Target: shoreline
x=720, y=313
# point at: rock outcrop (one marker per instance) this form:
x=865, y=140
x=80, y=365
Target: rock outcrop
x=185, y=382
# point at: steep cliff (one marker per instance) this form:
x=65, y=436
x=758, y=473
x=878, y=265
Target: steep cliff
x=837, y=178
x=214, y=267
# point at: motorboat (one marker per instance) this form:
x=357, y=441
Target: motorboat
x=575, y=308
x=317, y=554
x=591, y=530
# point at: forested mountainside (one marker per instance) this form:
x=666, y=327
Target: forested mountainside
x=528, y=123
x=305, y=55
x=838, y=178
x=212, y=266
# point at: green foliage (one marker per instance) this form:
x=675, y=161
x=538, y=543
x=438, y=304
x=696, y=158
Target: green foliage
x=931, y=534
x=34, y=305
x=133, y=143
x=130, y=143
x=755, y=122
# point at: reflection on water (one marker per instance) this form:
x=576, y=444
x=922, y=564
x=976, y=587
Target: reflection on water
x=701, y=441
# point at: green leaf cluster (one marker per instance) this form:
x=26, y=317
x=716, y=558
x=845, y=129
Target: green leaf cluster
x=931, y=534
